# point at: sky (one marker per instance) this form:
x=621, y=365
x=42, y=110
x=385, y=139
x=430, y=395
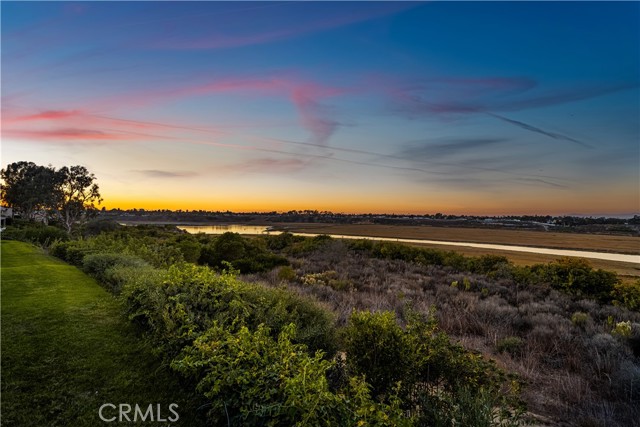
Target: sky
x=483, y=108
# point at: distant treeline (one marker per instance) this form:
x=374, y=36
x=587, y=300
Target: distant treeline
x=559, y=223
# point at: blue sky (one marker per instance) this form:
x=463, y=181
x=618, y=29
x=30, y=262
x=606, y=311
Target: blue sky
x=461, y=107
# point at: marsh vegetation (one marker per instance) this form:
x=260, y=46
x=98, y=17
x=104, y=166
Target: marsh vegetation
x=277, y=329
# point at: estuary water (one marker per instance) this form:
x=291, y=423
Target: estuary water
x=253, y=229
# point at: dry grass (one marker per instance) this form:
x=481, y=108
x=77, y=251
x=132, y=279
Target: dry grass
x=595, y=242
x=578, y=241
x=574, y=370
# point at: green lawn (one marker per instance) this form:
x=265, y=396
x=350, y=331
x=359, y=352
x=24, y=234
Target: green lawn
x=67, y=349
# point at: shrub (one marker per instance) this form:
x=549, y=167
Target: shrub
x=252, y=378
x=310, y=244
x=375, y=348
x=286, y=273
x=190, y=249
x=281, y=241
x=487, y=264
x=579, y=319
x=98, y=226
x=628, y=295
x=577, y=277
x=116, y=277
x=101, y=265
x=467, y=407
x=245, y=255
x=327, y=278
x=622, y=329
x=276, y=308
x=187, y=299
x=510, y=345
x=45, y=235
x=426, y=364
x=37, y=233
x=72, y=251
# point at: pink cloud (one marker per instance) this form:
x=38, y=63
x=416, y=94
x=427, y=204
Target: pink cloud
x=67, y=134
x=314, y=117
x=48, y=115
x=306, y=97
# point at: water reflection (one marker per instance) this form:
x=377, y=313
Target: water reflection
x=224, y=228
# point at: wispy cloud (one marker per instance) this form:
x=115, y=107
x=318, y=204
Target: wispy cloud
x=560, y=96
x=315, y=117
x=316, y=19
x=64, y=135
x=425, y=150
x=45, y=115
x=535, y=129
x=267, y=165
x=155, y=173
x=306, y=96
x=469, y=96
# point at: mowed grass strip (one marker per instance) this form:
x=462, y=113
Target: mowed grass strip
x=67, y=349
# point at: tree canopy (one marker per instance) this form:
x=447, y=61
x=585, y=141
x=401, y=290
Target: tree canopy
x=67, y=194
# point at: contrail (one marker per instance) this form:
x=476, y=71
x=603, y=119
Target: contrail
x=538, y=130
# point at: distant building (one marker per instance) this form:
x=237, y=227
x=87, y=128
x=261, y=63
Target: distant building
x=5, y=213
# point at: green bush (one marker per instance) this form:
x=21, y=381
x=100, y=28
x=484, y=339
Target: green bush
x=34, y=232
x=628, y=295
x=577, y=277
x=487, y=264
x=375, y=347
x=427, y=365
x=309, y=244
x=327, y=278
x=286, y=273
x=188, y=299
x=116, y=277
x=72, y=251
x=245, y=255
x=98, y=226
x=467, y=408
x=101, y=266
x=579, y=319
x=252, y=378
x=282, y=241
x=510, y=345
x=190, y=249
x=622, y=329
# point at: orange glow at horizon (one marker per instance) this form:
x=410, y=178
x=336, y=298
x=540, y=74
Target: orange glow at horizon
x=579, y=204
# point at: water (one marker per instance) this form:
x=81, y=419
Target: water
x=253, y=229
x=221, y=229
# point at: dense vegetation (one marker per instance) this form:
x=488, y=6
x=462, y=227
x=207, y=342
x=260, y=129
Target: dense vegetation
x=265, y=328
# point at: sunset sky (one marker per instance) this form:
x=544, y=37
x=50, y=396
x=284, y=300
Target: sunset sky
x=456, y=107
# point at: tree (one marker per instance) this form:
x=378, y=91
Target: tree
x=29, y=188
x=70, y=193
x=75, y=194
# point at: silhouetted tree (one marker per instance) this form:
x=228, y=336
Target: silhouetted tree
x=70, y=193
x=29, y=188
x=76, y=195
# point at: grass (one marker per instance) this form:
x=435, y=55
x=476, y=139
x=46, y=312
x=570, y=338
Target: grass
x=577, y=241
x=545, y=239
x=67, y=349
